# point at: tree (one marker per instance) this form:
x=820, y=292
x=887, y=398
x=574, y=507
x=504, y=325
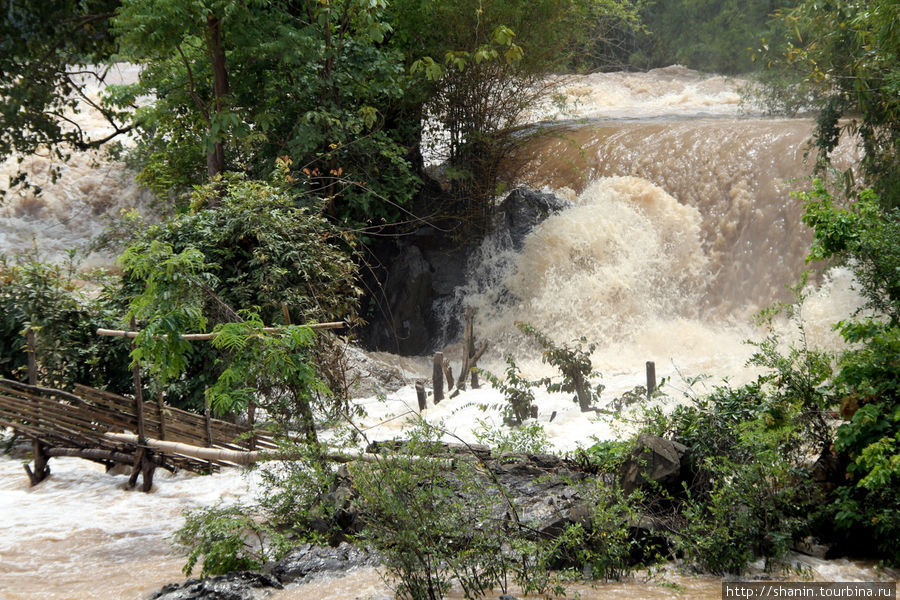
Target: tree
x=482, y=65
x=243, y=82
x=47, y=50
x=709, y=35
x=262, y=248
x=841, y=60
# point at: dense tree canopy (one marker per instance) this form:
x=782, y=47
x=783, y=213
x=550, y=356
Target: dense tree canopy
x=843, y=61
x=44, y=48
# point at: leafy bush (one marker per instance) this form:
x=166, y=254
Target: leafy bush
x=603, y=548
x=516, y=390
x=432, y=524
x=573, y=362
x=227, y=538
x=261, y=249
x=866, y=511
x=46, y=298
x=527, y=438
x=749, y=490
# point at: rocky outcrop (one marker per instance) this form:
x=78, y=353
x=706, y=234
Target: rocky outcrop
x=308, y=559
x=239, y=585
x=423, y=270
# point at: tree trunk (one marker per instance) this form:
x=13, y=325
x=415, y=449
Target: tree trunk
x=215, y=157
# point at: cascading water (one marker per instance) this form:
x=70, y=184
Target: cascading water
x=66, y=211
x=680, y=228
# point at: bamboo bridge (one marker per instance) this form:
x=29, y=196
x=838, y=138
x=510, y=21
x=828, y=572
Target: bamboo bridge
x=95, y=424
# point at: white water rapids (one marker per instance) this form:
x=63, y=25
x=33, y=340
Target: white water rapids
x=681, y=228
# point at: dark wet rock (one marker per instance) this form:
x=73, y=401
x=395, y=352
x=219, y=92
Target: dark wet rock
x=653, y=459
x=409, y=294
x=308, y=559
x=524, y=208
x=421, y=272
x=239, y=585
x=814, y=547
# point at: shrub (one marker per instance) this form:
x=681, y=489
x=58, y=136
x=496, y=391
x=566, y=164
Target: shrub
x=46, y=298
x=517, y=391
x=433, y=522
x=227, y=538
x=573, y=362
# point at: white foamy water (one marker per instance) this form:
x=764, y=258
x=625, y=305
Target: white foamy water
x=80, y=535
x=673, y=91
x=71, y=211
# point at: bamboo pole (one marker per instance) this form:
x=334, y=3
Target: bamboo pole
x=162, y=414
x=243, y=458
x=209, y=336
x=138, y=395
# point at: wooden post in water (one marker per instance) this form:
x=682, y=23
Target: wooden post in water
x=251, y=420
x=437, y=378
x=420, y=395
x=41, y=470
x=651, y=378
x=32, y=356
x=448, y=374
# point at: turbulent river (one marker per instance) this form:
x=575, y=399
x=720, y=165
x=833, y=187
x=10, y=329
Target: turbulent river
x=681, y=227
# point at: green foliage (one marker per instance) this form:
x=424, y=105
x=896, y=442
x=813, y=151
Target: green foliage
x=47, y=299
x=750, y=492
x=869, y=385
x=841, y=61
x=527, y=438
x=261, y=249
x=318, y=86
x=516, y=390
x=277, y=366
x=604, y=456
x=866, y=235
x=574, y=362
x=46, y=49
x=481, y=66
x=298, y=496
x=227, y=538
x=603, y=548
x=432, y=525
x=708, y=35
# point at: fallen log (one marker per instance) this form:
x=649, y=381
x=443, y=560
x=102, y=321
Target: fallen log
x=246, y=458
x=217, y=454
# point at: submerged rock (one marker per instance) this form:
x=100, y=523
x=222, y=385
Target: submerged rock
x=239, y=585
x=309, y=559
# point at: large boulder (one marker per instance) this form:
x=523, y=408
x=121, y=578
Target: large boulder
x=653, y=459
x=524, y=208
